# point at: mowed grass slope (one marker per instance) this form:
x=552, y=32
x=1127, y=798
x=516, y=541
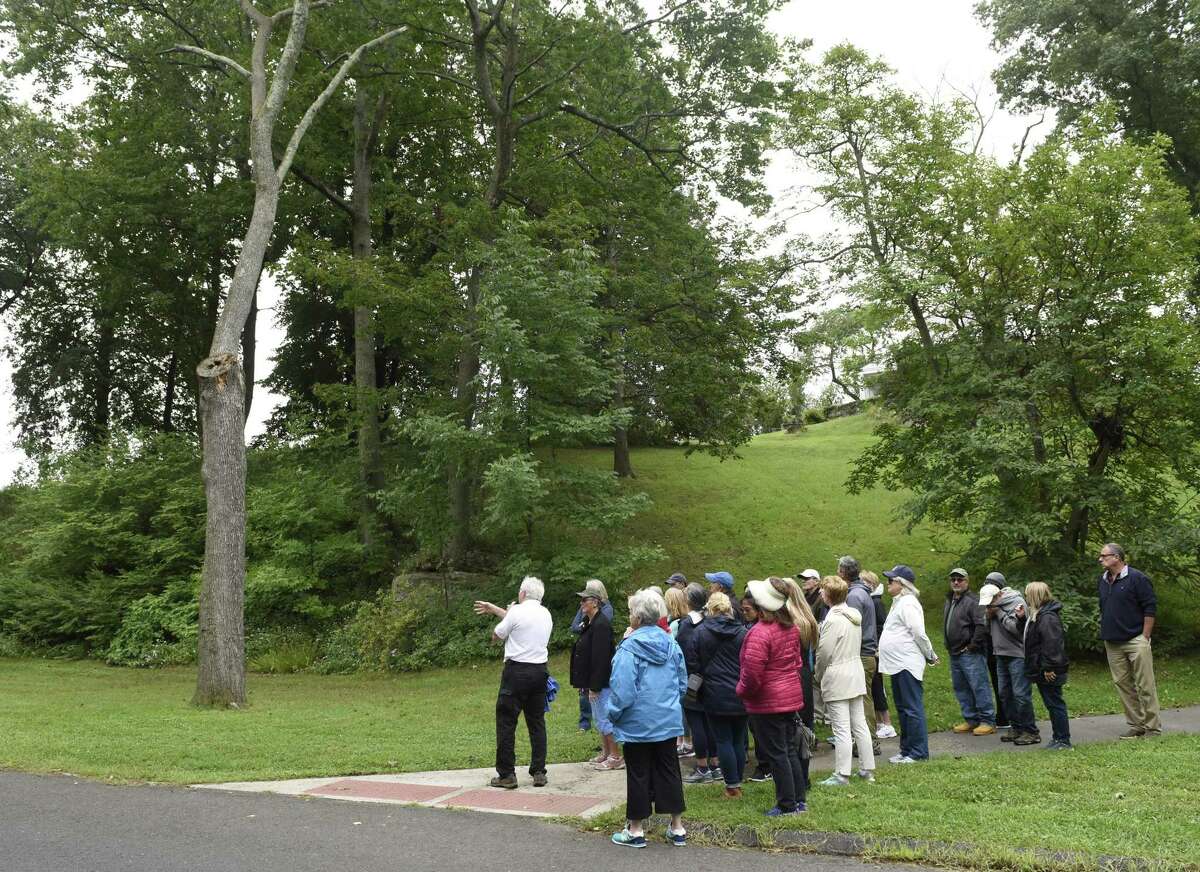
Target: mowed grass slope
x=780, y=508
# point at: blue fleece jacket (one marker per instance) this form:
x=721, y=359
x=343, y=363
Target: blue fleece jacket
x=648, y=680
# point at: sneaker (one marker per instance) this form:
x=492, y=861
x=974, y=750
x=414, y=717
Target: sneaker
x=1028, y=739
x=628, y=839
x=1010, y=736
x=964, y=727
x=896, y=758
x=599, y=758
x=867, y=775
x=733, y=793
x=508, y=782
x=1132, y=734
x=835, y=780
x=609, y=764
x=776, y=811
x=679, y=840
x=760, y=776
x=983, y=730
x=887, y=731
x=684, y=751
x=904, y=761
x=698, y=776
x=540, y=780
x=717, y=774
x=1060, y=746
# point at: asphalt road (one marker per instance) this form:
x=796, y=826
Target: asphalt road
x=64, y=824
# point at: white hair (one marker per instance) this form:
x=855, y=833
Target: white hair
x=533, y=588
x=646, y=607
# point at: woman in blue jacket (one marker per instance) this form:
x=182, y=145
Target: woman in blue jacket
x=717, y=650
x=647, y=682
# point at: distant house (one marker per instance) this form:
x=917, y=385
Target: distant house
x=870, y=381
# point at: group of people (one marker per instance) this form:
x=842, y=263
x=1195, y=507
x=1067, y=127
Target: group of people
x=699, y=672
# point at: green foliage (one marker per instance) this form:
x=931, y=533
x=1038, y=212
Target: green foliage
x=281, y=651
x=814, y=416
x=158, y=629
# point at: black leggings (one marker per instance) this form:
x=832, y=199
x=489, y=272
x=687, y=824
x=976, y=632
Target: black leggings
x=652, y=781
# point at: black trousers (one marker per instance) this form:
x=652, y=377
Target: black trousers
x=777, y=732
x=522, y=690
x=652, y=780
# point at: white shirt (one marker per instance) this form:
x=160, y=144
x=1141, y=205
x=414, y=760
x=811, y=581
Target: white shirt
x=526, y=632
x=903, y=643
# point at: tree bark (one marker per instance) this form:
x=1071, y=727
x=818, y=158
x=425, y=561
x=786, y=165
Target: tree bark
x=249, y=346
x=168, y=418
x=622, y=464
x=221, y=676
x=102, y=389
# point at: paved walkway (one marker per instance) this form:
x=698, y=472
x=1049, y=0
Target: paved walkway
x=577, y=790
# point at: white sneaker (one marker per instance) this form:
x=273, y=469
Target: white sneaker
x=905, y=760
x=897, y=758
x=886, y=731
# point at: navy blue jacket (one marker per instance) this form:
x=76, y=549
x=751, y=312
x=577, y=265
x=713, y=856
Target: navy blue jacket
x=716, y=653
x=1123, y=605
x=685, y=637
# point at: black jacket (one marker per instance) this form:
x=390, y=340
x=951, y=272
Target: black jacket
x=1045, y=643
x=964, y=626
x=591, y=658
x=716, y=654
x=685, y=636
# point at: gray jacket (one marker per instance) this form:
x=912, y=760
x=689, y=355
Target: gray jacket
x=1007, y=636
x=859, y=598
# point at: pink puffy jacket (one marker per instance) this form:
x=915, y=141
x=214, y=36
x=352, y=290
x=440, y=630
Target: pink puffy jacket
x=770, y=661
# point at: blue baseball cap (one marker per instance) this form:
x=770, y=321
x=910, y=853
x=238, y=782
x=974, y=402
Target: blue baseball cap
x=722, y=578
x=902, y=572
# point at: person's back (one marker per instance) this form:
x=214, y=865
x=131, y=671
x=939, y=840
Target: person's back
x=858, y=597
x=770, y=669
x=839, y=665
x=718, y=646
x=1045, y=643
x=1004, y=626
x=648, y=679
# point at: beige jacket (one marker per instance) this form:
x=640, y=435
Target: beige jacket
x=839, y=667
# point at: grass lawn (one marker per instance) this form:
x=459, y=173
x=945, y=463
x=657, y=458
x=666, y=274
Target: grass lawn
x=1132, y=800
x=780, y=508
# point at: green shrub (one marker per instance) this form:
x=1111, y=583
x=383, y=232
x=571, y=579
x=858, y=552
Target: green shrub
x=158, y=629
x=281, y=651
x=814, y=416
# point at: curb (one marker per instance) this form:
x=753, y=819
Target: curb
x=917, y=850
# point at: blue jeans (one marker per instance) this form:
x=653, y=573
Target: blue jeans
x=1052, y=696
x=585, y=710
x=909, y=692
x=1016, y=693
x=969, y=675
x=730, y=734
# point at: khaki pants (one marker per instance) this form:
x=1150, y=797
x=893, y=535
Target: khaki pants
x=870, y=664
x=1132, y=666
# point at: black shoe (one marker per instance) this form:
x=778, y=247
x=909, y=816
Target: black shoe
x=1027, y=739
x=508, y=782
x=540, y=780
x=760, y=776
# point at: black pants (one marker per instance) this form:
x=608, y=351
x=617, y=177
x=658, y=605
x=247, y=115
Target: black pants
x=652, y=780
x=1002, y=717
x=703, y=744
x=777, y=732
x=522, y=689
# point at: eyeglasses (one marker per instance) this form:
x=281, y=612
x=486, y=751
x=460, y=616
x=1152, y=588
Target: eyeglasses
x=1103, y=555
x=958, y=578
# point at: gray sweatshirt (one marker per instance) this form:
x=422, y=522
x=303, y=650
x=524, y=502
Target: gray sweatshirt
x=1006, y=637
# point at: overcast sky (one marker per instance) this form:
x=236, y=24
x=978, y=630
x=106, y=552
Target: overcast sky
x=932, y=44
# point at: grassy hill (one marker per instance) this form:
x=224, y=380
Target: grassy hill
x=781, y=507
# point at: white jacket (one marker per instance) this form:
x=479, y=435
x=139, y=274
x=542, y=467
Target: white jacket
x=839, y=666
x=903, y=644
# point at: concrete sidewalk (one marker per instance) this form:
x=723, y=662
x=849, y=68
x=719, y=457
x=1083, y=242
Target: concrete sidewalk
x=577, y=790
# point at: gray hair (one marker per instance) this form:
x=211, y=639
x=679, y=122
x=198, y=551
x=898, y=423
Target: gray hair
x=697, y=596
x=645, y=608
x=533, y=588
x=1116, y=549
x=848, y=567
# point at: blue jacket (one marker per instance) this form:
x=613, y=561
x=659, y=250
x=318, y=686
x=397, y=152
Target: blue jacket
x=648, y=679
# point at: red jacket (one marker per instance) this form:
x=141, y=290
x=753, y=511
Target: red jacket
x=770, y=661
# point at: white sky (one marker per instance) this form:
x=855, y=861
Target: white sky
x=932, y=44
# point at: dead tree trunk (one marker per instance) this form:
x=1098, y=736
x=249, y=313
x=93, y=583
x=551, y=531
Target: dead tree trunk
x=221, y=654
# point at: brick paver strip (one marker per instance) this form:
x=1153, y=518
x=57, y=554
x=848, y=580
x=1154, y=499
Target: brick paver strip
x=519, y=800
x=358, y=788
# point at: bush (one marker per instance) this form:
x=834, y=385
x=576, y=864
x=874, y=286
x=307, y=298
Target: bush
x=281, y=651
x=814, y=416
x=158, y=629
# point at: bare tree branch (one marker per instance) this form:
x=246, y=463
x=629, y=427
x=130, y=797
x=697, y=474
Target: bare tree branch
x=228, y=63
x=288, y=58
x=1025, y=136
x=334, y=83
